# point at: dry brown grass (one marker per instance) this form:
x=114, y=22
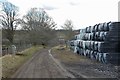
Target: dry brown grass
x=66, y=55
x=10, y=63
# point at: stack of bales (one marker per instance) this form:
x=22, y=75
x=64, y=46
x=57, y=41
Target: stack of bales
x=100, y=42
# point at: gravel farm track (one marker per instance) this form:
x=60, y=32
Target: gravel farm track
x=45, y=64
x=42, y=65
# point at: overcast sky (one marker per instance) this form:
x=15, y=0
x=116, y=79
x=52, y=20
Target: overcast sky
x=83, y=13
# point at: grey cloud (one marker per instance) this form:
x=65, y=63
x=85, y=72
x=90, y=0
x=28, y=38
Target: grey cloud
x=73, y=3
x=49, y=7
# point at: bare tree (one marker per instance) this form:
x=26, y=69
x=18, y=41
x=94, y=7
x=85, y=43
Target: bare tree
x=69, y=33
x=8, y=19
x=39, y=25
x=68, y=26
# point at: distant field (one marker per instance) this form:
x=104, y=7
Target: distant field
x=10, y=63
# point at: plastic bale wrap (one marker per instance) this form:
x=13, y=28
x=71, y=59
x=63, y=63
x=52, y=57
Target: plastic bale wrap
x=101, y=36
x=101, y=27
x=95, y=45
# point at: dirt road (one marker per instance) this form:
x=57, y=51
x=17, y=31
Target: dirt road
x=42, y=65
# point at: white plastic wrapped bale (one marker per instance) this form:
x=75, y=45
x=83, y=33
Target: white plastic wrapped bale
x=84, y=44
x=81, y=44
x=75, y=49
x=101, y=36
x=75, y=42
x=87, y=45
x=86, y=36
x=104, y=57
x=95, y=45
x=92, y=55
x=82, y=31
x=100, y=46
x=81, y=51
x=104, y=36
x=101, y=27
x=92, y=45
x=89, y=29
x=95, y=55
x=97, y=34
x=87, y=53
x=93, y=28
x=96, y=27
x=106, y=26
x=91, y=36
x=84, y=51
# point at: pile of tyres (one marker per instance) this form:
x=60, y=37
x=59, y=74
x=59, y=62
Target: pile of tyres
x=99, y=42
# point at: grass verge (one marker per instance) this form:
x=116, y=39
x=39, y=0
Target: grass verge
x=10, y=63
x=66, y=55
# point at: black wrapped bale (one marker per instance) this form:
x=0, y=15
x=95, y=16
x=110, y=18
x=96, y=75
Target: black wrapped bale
x=112, y=47
x=103, y=47
x=114, y=33
x=114, y=58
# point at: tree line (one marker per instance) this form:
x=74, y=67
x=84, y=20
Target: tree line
x=36, y=26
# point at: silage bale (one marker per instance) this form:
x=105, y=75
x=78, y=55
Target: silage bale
x=101, y=27
x=92, y=45
x=96, y=27
x=95, y=45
